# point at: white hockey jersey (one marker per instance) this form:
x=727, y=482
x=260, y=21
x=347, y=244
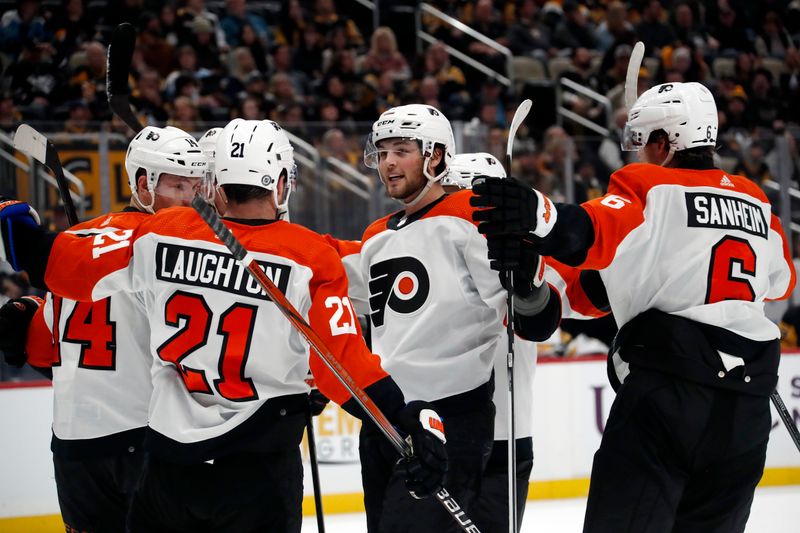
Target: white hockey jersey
x=435, y=306
x=699, y=244
x=100, y=359
x=223, y=353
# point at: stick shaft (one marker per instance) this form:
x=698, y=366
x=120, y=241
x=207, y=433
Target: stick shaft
x=312, y=454
x=783, y=412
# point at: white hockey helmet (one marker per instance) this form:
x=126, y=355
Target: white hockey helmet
x=420, y=122
x=685, y=111
x=163, y=151
x=466, y=167
x=256, y=152
x=208, y=142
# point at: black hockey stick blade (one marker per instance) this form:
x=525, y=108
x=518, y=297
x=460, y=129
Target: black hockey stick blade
x=288, y=310
x=29, y=141
x=118, y=65
x=783, y=412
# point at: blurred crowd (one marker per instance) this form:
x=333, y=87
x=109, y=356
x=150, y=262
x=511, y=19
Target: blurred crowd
x=320, y=68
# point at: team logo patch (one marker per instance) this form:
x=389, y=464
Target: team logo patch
x=401, y=283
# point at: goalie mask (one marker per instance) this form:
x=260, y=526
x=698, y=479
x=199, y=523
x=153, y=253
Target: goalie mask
x=163, y=151
x=422, y=123
x=466, y=167
x=256, y=153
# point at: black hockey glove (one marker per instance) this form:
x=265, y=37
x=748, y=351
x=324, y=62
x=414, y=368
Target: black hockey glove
x=513, y=208
x=519, y=256
x=424, y=471
x=317, y=402
x=15, y=317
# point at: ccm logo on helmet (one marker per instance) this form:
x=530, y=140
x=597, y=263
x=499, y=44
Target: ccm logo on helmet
x=401, y=283
x=384, y=123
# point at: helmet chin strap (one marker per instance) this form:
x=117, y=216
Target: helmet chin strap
x=669, y=156
x=420, y=196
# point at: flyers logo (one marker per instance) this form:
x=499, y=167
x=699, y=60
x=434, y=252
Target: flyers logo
x=401, y=283
x=547, y=211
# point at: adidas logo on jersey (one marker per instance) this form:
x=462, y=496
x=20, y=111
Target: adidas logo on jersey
x=726, y=181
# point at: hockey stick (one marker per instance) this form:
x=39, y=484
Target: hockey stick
x=39, y=147
x=118, y=65
x=312, y=453
x=632, y=76
x=241, y=255
x=777, y=401
x=519, y=116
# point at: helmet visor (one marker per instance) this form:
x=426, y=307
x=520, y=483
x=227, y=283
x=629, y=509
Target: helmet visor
x=399, y=147
x=632, y=139
x=182, y=189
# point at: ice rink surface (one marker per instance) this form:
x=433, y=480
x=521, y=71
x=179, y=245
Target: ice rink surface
x=775, y=510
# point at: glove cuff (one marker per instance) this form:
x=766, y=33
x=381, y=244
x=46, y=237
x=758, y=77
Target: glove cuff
x=546, y=215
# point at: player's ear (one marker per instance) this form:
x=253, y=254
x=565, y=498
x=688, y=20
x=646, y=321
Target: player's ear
x=436, y=159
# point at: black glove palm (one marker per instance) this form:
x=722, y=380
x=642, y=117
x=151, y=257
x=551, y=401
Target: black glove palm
x=15, y=317
x=519, y=256
x=425, y=469
x=511, y=206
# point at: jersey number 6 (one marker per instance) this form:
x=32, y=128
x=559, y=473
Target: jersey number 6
x=722, y=283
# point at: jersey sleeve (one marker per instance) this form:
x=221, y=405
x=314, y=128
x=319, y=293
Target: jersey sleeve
x=39, y=344
x=782, y=276
x=333, y=318
x=582, y=292
x=92, y=267
x=613, y=217
x=350, y=254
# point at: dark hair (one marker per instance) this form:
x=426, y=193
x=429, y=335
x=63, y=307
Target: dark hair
x=438, y=169
x=240, y=194
x=700, y=158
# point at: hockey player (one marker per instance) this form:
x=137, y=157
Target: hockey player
x=421, y=265
x=99, y=351
x=490, y=508
x=229, y=396
x=688, y=254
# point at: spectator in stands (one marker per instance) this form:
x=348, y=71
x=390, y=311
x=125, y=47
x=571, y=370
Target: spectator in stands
x=730, y=37
x=308, y=54
x=737, y=114
x=249, y=109
x=652, y=31
x=744, y=68
x=184, y=115
x=126, y=11
x=88, y=79
x=428, y=93
x=615, y=28
x=383, y=55
x=204, y=44
x=452, y=83
x=10, y=116
x=249, y=39
x=147, y=98
x=34, y=77
x=764, y=99
x=773, y=40
x=752, y=164
x=282, y=64
x=328, y=20
x=335, y=145
x=282, y=90
x=488, y=22
x=236, y=16
x=292, y=24
x=615, y=76
x=189, y=13
x=168, y=20
x=79, y=117
x=575, y=30
x=690, y=67
x=293, y=119
x=22, y=25
x=687, y=31
x=527, y=36
x=71, y=26
x=157, y=53
x=386, y=94
x=328, y=115
x=187, y=68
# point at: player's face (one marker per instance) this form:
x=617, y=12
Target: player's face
x=173, y=191
x=400, y=166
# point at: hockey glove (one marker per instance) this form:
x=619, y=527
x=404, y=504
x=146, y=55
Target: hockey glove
x=15, y=317
x=519, y=256
x=14, y=213
x=425, y=469
x=317, y=402
x=513, y=208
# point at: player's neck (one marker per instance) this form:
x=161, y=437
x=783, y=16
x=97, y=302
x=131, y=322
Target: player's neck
x=260, y=209
x=434, y=193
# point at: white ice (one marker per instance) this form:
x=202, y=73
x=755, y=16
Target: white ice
x=775, y=510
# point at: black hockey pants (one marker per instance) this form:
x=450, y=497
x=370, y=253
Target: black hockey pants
x=95, y=494
x=391, y=509
x=490, y=509
x=677, y=457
